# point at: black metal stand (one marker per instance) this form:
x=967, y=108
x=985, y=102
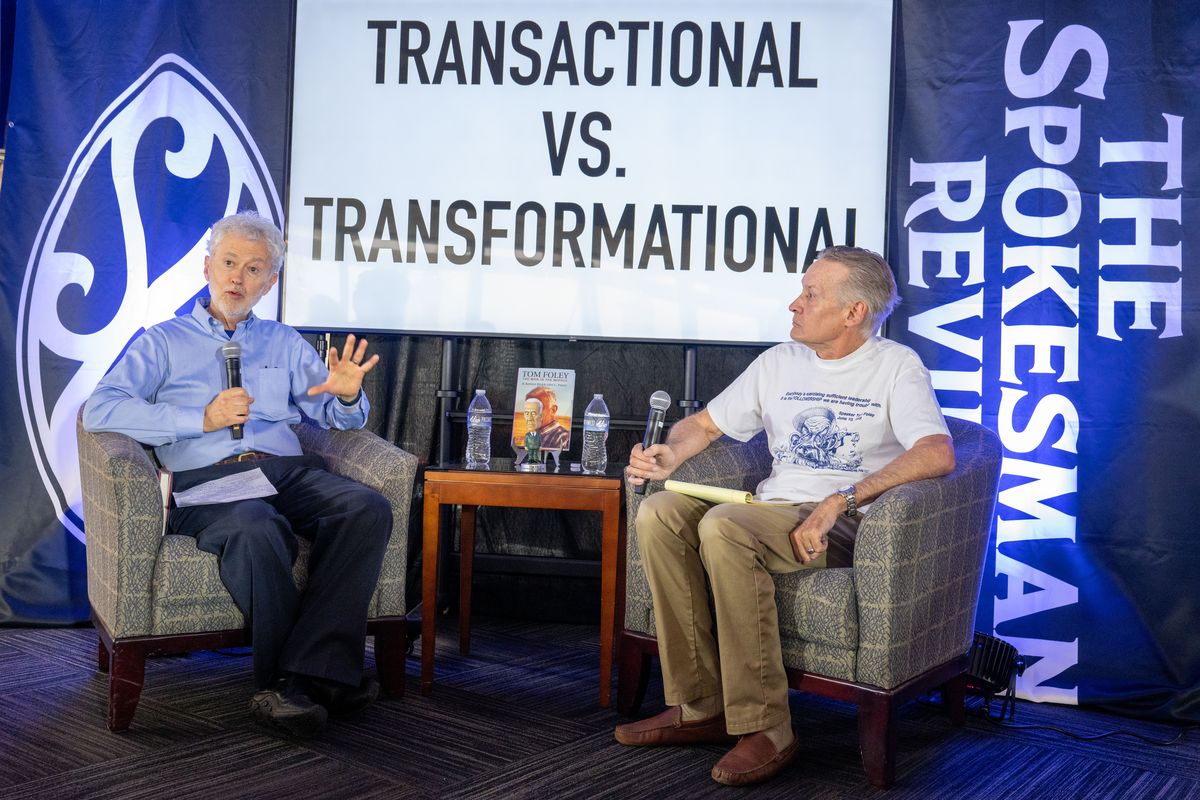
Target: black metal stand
x=689, y=402
x=447, y=394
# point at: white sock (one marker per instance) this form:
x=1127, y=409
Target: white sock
x=704, y=708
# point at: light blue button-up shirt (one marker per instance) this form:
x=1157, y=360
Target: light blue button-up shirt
x=157, y=392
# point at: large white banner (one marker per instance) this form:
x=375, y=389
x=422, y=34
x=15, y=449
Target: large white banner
x=649, y=170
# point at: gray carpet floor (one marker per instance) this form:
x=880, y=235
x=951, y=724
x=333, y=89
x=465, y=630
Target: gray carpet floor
x=518, y=718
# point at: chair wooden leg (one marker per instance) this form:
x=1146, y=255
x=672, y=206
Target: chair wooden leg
x=101, y=655
x=633, y=674
x=390, y=650
x=877, y=739
x=954, y=699
x=127, y=674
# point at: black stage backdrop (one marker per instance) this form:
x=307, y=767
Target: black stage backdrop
x=405, y=410
x=1044, y=225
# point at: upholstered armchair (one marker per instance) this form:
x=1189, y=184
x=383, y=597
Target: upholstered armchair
x=153, y=594
x=896, y=624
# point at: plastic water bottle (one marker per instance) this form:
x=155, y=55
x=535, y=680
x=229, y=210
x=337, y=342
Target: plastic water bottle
x=595, y=436
x=479, y=431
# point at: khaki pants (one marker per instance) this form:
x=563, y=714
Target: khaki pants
x=688, y=545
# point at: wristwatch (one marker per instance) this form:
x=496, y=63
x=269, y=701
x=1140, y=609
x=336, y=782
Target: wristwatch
x=847, y=493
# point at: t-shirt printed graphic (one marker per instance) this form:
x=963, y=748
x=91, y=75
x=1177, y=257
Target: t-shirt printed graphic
x=829, y=422
x=820, y=441
x=827, y=435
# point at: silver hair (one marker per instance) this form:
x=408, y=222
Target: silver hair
x=250, y=225
x=869, y=280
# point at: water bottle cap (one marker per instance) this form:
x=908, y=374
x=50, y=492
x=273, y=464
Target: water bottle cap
x=480, y=391
x=597, y=397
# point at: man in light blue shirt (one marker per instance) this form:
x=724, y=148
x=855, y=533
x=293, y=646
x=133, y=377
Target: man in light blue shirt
x=168, y=391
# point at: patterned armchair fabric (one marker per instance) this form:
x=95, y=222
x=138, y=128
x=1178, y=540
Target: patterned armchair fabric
x=152, y=593
x=908, y=602
x=142, y=583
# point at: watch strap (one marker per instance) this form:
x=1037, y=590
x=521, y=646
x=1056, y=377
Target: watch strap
x=848, y=494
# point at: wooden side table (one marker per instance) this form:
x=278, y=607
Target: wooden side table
x=501, y=486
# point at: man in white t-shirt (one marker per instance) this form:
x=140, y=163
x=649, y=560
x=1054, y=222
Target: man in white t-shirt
x=848, y=416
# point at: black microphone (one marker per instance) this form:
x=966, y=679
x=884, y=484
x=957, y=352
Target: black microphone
x=660, y=401
x=232, y=352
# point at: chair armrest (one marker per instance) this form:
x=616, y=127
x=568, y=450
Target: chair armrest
x=123, y=517
x=727, y=463
x=918, y=561
x=366, y=458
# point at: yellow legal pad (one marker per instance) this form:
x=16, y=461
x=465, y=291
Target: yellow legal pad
x=719, y=494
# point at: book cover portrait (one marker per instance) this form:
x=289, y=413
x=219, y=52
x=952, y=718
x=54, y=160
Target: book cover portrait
x=555, y=390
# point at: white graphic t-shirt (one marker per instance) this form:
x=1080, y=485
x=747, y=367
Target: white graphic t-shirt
x=829, y=422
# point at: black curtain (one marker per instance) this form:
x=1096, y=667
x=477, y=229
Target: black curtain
x=403, y=393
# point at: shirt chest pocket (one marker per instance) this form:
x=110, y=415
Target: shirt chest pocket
x=272, y=391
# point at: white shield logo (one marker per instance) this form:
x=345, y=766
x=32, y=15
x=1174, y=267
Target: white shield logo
x=171, y=89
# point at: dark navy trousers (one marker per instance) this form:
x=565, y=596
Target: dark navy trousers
x=319, y=631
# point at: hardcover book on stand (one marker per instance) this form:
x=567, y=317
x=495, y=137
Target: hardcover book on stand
x=548, y=395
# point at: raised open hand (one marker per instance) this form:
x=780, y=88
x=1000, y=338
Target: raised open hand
x=346, y=370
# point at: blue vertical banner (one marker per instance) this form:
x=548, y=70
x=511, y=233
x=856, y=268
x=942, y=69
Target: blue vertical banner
x=131, y=128
x=1045, y=229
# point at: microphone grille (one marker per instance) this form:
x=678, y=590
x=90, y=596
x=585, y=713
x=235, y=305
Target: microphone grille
x=660, y=400
x=231, y=350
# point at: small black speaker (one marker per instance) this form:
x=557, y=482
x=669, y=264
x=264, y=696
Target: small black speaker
x=995, y=665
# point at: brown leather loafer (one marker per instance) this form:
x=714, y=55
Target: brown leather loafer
x=668, y=728
x=753, y=759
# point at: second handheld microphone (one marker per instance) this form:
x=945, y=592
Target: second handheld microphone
x=660, y=401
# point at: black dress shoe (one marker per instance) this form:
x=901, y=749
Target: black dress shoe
x=341, y=700
x=287, y=707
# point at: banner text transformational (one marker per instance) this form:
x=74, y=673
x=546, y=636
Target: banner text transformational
x=666, y=236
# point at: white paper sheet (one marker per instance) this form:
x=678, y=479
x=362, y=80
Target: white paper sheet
x=241, y=486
